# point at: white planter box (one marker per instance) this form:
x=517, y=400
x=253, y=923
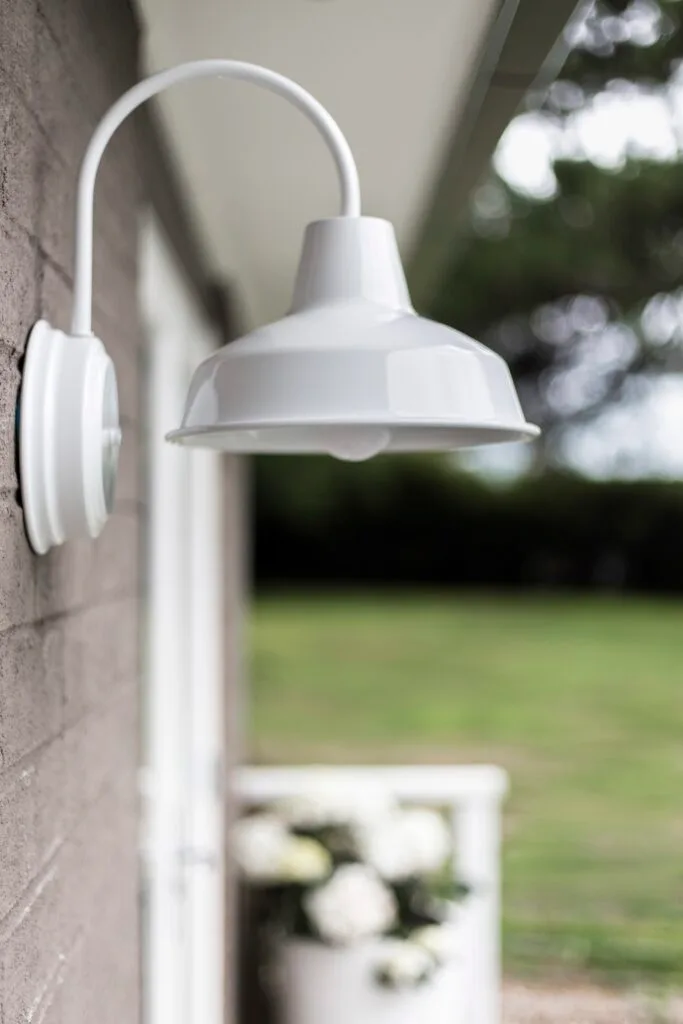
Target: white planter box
x=321, y=985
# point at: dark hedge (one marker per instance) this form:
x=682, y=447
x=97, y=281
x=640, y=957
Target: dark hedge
x=417, y=522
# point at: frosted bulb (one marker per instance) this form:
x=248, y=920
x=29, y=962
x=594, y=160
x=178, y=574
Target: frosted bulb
x=355, y=444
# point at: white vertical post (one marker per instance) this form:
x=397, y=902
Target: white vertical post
x=165, y=981
x=183, y=745
x=204, y=851
x=477, y=825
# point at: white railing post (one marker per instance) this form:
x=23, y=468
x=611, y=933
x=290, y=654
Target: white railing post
x=477, y=828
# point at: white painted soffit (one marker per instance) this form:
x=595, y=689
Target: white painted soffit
x=396, y=74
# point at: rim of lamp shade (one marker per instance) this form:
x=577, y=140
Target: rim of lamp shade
x=351, y=441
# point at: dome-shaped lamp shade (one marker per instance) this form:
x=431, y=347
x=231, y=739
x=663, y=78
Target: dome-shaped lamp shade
x=352, y=370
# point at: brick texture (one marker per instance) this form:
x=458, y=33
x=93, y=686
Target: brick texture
x=69, y=640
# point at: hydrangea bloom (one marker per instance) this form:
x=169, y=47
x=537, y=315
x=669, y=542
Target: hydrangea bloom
x=259, y=844
x=267, y=853
x=354, y=904
x=304, y=861
x=405, y=844
x=428, y=837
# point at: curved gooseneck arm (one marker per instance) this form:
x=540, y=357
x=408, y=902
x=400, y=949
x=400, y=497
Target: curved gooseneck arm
x=81, y=322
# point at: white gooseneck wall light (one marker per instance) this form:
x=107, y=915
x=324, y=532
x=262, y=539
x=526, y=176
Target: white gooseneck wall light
x=351, y=370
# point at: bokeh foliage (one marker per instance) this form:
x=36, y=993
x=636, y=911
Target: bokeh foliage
x=577, y=290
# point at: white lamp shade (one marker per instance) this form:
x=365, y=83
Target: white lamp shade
x=352, y=370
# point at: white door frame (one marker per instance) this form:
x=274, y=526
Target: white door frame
x=183, y=961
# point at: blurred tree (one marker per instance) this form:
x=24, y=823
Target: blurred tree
x=636, y=40
x=578, y=290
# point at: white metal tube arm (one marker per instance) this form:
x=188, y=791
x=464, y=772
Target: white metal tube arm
x=81, y=322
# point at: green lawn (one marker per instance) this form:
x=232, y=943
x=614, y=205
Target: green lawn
x=581, y=699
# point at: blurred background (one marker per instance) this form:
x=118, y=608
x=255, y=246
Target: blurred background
x=524, y=607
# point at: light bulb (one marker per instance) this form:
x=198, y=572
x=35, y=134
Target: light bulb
x=355, y=444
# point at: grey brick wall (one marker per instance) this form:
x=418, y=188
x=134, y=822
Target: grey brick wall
x=68, y=621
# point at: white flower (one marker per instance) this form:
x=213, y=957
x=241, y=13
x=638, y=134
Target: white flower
x=333, y=801
x=404, y=964
x=259, y=844
x=304, y=860
x=267, y=853
x=428, y=837
x=380, y=845
x=440, y=940
x=353, y=905
x=412, y=842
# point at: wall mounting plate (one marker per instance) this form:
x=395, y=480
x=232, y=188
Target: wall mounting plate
x=69, y=436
